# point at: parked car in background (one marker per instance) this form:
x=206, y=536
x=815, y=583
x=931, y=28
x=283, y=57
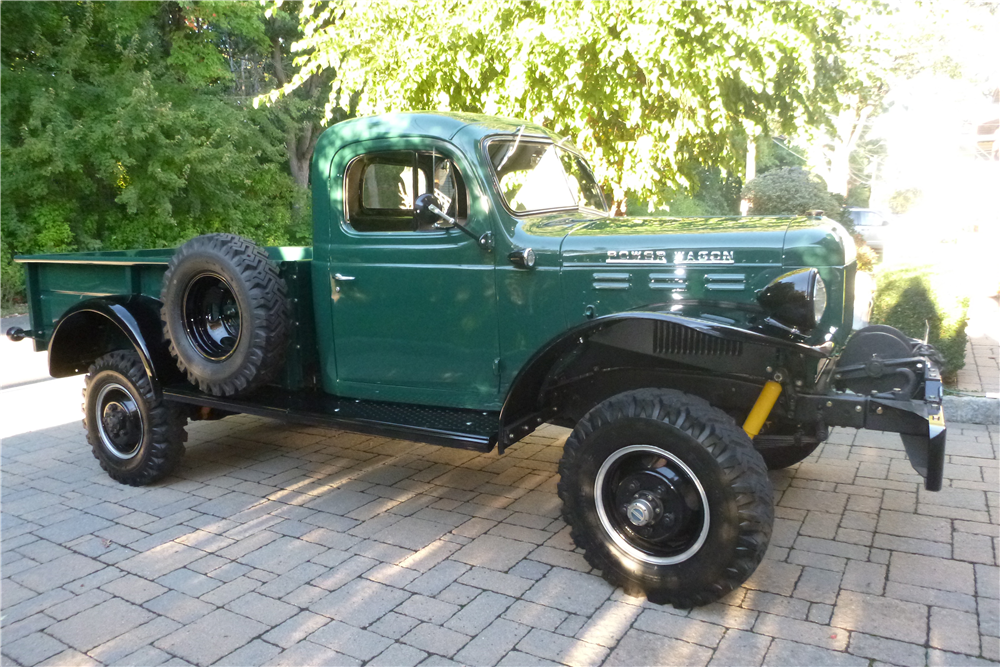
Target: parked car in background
x=871, y=225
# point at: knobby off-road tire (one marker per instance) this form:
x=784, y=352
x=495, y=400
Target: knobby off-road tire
x=136, y=438
x=671, y=459
x=225, y=314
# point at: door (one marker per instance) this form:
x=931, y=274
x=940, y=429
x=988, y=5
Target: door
x=414, y=307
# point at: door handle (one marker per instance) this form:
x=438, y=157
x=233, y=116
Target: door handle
x=334, y=287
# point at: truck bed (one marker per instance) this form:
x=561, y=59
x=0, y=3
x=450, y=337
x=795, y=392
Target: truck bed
x=56, y=282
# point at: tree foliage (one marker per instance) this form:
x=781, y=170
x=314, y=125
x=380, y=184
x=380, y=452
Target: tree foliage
x=776, y=152
x=651, y=90
x=122, y=126
x=710, y=193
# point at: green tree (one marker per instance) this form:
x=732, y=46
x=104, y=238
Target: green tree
x=119, y=129
x=652, y=91
x=777, y=152
x=260, y=62
x=710, y=193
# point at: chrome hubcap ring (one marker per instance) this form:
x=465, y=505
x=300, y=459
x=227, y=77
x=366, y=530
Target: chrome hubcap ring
x=645, y=512
x=119, y=421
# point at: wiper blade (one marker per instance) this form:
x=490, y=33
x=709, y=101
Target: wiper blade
x=511, y=150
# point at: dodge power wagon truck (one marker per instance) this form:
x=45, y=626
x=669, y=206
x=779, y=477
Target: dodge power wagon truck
x=467, y=284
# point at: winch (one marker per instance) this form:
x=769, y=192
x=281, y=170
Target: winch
x=881, y=360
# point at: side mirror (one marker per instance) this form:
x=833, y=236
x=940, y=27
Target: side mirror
x=427, y=211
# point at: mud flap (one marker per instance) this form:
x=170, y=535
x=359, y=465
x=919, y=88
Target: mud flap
x=926, y=453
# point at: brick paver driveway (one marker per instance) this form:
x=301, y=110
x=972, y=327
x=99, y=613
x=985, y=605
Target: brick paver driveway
x=302, y=546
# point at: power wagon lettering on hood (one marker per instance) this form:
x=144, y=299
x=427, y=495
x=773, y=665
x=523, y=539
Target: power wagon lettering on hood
x=679, y=256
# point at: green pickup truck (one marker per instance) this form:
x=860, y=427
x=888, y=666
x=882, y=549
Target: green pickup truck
x=467, y=284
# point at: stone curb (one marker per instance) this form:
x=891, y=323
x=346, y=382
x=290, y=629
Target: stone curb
x=972, y=409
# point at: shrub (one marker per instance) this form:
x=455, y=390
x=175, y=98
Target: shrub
x=11, y=283
x=867, y=258
x=683, y=206
x=793, y=191
x=915, y=299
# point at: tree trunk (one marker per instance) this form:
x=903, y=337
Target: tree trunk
x=849, y=125
x=300, y=146
x=299, y=140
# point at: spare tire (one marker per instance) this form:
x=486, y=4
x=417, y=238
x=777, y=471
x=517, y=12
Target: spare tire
x=225, y=314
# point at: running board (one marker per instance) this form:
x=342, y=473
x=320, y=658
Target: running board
x=449, y=427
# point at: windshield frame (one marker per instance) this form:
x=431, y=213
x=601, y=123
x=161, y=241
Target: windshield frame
x=545, y=140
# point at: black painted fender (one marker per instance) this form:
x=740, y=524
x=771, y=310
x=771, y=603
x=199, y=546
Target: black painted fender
x=684, y=345
x=95, y=327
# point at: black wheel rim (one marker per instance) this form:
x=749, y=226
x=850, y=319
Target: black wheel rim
x=651, y=504
x=211, y=316
x=119, y=421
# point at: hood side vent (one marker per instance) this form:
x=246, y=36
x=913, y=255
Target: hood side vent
x=726, y=281
x=614, y=281
x=675, y=339
x=671, y=281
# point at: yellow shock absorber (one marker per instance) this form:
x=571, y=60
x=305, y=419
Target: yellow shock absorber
x=762, y=408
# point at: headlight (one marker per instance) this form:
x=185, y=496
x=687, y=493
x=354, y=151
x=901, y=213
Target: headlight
x=819, y=298
x=796, y=299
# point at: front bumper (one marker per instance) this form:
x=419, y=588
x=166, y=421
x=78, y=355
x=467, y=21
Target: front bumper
x=919, y=420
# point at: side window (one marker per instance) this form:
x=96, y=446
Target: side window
x=380, y=189
x=389, y=187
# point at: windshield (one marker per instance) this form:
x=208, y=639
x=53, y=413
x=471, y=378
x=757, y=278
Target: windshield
x=537, y=176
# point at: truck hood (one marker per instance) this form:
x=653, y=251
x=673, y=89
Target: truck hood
x=713, y=265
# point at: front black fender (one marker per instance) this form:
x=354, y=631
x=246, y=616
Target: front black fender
x=95, y=327
x=650, y=344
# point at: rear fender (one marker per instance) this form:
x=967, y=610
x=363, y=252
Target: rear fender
x=640, y=348
x=95, y=327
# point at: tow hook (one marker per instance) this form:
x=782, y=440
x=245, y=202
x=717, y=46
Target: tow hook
x=17, y=334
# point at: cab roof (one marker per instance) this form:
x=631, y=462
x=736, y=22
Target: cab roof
x=441, y=125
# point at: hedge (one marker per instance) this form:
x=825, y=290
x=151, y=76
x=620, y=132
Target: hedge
x=919, y=299
x=794, y=191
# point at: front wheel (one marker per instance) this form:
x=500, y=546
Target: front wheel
x=667, y=496
x=136, y=437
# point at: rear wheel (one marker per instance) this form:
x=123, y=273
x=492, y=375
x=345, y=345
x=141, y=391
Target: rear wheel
x=667, y=497
x=136, y=438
